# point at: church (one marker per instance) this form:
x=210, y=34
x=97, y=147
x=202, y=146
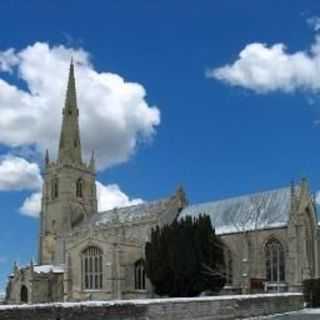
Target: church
x=270, y=238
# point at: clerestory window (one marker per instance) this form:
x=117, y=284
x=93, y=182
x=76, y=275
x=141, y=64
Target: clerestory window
x=92, y=270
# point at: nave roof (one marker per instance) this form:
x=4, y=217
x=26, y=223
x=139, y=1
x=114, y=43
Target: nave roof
x=269, y=209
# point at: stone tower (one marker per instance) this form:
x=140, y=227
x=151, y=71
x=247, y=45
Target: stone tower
x=69, y=190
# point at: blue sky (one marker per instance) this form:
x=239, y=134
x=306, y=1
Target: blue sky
x=219, y=131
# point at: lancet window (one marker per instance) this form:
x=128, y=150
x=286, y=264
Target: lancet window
x=275, y=261
x=54, y=188
x=139, y=275
x=79, y=188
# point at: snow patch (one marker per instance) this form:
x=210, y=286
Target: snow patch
x=48, y=268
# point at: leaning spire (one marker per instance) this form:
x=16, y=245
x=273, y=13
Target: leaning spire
x=70, y=147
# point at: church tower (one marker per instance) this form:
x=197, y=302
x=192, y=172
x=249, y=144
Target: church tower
x=69, y=190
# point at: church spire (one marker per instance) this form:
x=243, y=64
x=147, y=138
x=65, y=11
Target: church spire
x=70, y=147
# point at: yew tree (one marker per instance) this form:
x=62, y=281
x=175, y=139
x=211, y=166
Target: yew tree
x=185, y=258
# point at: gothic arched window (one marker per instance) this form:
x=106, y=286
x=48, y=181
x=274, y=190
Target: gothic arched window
x=92, y=268
x=139, y=275
x=24, y=294
x=228, y=265
x=79, y=188
x=275, y=261
x=54, y=188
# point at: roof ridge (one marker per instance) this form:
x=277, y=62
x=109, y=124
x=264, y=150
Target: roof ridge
x=243, y=196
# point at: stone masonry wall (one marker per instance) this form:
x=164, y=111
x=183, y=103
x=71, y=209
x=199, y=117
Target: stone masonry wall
x=206, y=308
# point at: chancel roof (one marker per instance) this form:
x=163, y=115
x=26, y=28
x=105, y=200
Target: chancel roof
x=257, y=211
x=131, y=213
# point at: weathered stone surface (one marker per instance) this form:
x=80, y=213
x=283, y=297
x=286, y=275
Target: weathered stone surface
x=217, y=308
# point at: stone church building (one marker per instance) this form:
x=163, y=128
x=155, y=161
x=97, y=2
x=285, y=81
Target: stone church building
x=271, y=238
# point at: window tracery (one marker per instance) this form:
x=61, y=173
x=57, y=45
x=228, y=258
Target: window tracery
x=275, y=261
x=92, y=268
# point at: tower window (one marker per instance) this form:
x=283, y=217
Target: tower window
x=79, y=188
x=54, y=188
x=91, y=266
x=139, y=275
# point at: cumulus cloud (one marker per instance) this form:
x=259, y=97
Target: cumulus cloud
x=114, y=113
x=264, y=69
x=111, y=196
x=108, y=196
x=32, y=205
x=17, y=174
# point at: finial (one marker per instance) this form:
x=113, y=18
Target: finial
x=292, y=187
x=304, y=183
x=181, y=196
x=31, y=264
x=92, y=164
x=47, y=159
x=15, y=267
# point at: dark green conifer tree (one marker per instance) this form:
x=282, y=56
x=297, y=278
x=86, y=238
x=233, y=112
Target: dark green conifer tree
x=185, y=258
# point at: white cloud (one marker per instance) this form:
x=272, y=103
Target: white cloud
x=32, y=205
x=314, y=23
x=109, y=197
x=7, y=60
x=18, y=174
x=264, y=69
x=114, y=114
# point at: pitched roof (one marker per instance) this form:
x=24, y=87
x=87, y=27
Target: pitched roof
x=131, y=213
x=257, y=211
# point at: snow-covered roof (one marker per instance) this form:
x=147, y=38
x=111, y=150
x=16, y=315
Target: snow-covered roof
x=131, y=213
x=48, y=268
x=257, y=211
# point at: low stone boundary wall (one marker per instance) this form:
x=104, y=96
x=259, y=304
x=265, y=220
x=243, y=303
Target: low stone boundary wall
x=202, y=308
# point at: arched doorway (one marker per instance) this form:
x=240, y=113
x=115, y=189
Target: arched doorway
x=24, y=294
